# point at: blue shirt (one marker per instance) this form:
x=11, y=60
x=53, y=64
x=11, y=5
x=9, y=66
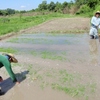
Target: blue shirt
x=6, y=56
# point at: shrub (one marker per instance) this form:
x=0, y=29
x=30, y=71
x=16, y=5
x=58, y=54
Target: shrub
x=96, y=8
x=83, y=9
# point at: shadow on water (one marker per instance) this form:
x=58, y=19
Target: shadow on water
x=93, y=45
x=7, y=84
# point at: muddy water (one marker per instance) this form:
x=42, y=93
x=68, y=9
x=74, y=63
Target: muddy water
x=46, y=53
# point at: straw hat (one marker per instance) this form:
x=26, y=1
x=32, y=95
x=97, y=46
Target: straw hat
x=14, y=60
x=97, y=12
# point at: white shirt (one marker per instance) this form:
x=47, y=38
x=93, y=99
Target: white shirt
x=95, y=21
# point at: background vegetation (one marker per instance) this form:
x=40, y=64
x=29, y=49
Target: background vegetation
x=17, y=22
x=73, y=7
x=12, y=20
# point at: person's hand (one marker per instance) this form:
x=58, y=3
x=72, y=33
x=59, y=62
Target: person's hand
x=17, y=82
x=97, y=26
x=1, y=79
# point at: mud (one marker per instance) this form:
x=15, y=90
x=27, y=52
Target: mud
x=75, y=53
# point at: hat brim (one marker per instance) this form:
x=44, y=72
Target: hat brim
x=97, y=13
x=14, y=60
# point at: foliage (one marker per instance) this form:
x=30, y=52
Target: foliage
x=64, y=5
x=80, y=2
x=87, y=7
x=58, y=7
x=84, y=9
x=92, y=3
x=97, y=7
x=8, y=11
x=43, y=5
x=23, y=11
x=51, y=6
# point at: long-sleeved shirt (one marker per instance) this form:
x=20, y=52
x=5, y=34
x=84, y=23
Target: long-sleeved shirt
x=95, y=22
x=5, y=62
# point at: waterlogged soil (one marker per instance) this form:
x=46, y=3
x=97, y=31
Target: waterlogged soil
x=53, y=67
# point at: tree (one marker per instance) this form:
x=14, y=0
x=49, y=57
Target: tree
x=92, y=3
x=23, y=11
x=10, y=11
x=4, y=12
x=51, y=6
x=1, y=14
x=58, y=7
x=43, y=5
x=80, y=2
x=64, y=5
x=84, y=9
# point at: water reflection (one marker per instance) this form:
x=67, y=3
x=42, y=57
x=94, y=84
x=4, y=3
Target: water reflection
x=93, y=45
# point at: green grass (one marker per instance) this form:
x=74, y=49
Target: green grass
x=50, y=55
x=30, y=40
x=16, y=23
x=8, y=50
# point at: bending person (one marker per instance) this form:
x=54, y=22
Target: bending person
x=6, y=60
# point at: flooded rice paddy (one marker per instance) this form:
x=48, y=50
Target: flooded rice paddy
x=53, y=66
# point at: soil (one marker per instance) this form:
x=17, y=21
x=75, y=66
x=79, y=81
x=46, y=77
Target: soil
x=62, y=25
x=82, y=58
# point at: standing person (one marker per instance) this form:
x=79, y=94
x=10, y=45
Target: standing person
x=95, y=22
x=6, y=60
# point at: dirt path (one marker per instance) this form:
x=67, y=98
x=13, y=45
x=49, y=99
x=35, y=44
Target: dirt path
x=62, y=25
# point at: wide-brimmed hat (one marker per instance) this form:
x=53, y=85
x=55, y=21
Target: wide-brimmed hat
x=97, y=12
x=14, y=60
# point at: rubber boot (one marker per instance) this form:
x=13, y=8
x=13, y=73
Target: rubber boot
x=91, y=37
x=1, y=93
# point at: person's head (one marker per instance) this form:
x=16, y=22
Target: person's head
x=11, y=57
x=97, y=14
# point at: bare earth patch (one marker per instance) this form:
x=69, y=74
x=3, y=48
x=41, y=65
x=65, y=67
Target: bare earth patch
x=63, y=25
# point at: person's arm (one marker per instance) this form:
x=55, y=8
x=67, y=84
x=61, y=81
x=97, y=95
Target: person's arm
x=93, y=22
x=7, y=65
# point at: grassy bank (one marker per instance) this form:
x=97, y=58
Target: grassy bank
x=15, y=23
